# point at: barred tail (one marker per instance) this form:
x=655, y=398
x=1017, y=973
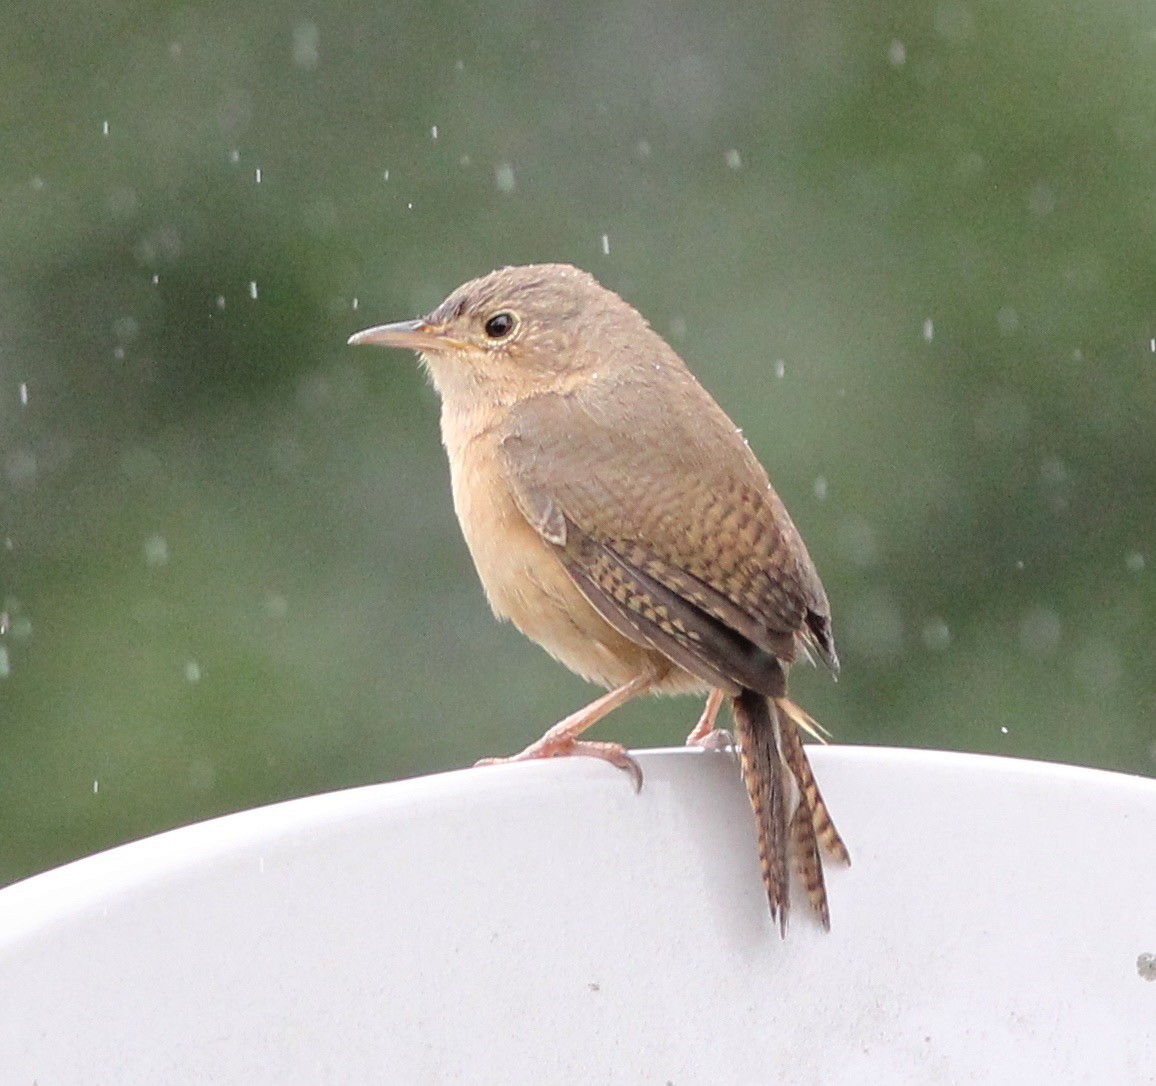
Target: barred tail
x=809, y=795
x=756, y=729
x=779, y=780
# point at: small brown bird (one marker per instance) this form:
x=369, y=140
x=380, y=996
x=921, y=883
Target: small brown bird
x=618, y=518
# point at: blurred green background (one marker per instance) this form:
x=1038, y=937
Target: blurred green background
x=910, y=247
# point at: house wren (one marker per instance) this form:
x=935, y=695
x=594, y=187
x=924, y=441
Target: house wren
x=618, y=518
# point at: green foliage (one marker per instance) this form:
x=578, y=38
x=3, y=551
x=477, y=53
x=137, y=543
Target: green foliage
x=909, y=248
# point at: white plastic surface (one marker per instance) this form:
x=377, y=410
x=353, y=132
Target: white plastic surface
x=541, y=923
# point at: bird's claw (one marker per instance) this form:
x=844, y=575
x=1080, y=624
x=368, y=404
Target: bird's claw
x=614, y=753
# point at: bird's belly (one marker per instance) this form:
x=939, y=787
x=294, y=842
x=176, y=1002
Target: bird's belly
x=526, y=583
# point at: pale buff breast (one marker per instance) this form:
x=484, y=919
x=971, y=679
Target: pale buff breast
x=524, y=580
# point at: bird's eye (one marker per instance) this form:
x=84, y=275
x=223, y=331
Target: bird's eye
x=500, y=325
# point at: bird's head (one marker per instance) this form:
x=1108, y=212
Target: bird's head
x=518, y=331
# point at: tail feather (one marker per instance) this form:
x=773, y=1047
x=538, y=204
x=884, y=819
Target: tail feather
x=808, y=862
x=809, y=794
x=774, y=762
x=763, y=772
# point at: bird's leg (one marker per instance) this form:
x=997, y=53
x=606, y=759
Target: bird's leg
x=705, y=734
x=562, y=739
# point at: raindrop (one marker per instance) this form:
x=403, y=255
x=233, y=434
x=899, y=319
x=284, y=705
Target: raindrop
x=306, y=42
x=733, y=159
x=504, y=177
x=875, y=627
x=253, y=289
x=257, y=175
x=1098, y=666
x=385, y=175
x=125, y=328
x=5, y=663
x=780, y=368
x=820, y=487
x=1052, y=471
x=1040, y=632
x=104, y=128
x=859, y=541
x=433, y=132
x=936, y=636
x=897, y=54
x=156, y=550
x=1134, y=562
x=24, y=393
x=1008, y=320
x=193, y=671
x=605, y=244
x=1042, y=199
x=20, y=466
x=928, y=330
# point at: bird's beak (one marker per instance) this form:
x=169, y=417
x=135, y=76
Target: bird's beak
x=418, y=335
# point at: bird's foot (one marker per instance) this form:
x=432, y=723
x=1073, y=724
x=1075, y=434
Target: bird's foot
x=705, y=734
x=715, y=739
x=563, y=747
